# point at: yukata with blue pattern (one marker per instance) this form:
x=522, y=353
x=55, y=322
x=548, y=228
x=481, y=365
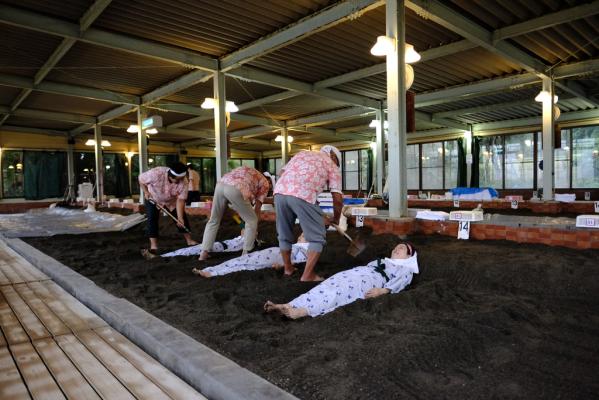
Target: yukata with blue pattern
x=348, y=286
x=259, y=260
x=226, y=246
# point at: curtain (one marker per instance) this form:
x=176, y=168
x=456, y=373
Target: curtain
x=474, y=181
x=44, y=174
x=462, y=168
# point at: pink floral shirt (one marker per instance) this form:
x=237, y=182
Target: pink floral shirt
x=250, y=182
x=161, y=189
x=306, y=175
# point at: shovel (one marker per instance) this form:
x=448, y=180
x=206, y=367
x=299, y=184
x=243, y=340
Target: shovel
x=167, y=212
x=356, y=246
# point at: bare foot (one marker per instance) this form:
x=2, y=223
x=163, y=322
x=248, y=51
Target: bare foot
x=204, y=256
x=278, y=267
x=285, y=309
x=192, y=243
x=202, y=273
x=269, y=306
x=312, y=278
x=289, y=272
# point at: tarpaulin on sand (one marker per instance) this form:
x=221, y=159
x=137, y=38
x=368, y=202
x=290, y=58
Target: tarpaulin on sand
x=59, y=221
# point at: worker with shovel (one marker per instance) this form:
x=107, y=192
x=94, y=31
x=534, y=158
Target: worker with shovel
x=165, y=189
x=304, y=177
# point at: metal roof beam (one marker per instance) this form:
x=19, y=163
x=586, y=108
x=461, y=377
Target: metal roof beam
x=535, y=121
x=54, y=26
x=299, y=30
x=333, y=116
x=458, y=23
x=577, y=90
x=86, y=20
x=547, y=21
x=487, y=108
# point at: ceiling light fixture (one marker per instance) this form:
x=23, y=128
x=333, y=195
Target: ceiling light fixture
x=133, y=129
x=152, y=131
x=544, y=96
x=385, y=45
x=92, y=142
x=279, y=138
x=210, y=104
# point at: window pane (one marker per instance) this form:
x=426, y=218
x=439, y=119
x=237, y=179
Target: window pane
x=134, y=174
x=364, y=169
x=432, y=165
x=561, y=161
x=208, y=175
x=412, y=158
x=85, y=167
x=351, y=170
x=490, y=168
x=249, y=163
x=519, y=161
x=585, y=164
x=12, y=173
x=451, y=164
x=232, y=164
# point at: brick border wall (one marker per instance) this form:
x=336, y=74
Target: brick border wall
x=541, y=207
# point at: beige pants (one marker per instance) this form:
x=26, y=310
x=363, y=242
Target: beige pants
x=224, y=194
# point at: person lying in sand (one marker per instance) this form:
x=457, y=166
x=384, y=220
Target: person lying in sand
x=267, y=258
x=390, y=275
x=226, y=246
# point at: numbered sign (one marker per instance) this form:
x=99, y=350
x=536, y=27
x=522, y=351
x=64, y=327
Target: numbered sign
x=464, y=230
x=597, y=207
x=587, y=196
x=456, y=203
x=359, y=221
x=515, y=204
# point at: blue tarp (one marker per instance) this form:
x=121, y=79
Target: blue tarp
x=466, y=190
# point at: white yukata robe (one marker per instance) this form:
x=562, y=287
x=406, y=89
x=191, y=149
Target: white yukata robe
x=348, y=286
x=260, y=260
x=229, y=246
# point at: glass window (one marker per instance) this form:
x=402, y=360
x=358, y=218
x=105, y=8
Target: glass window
x=12, y=173
x=413, y=155
x=116, y=175
x=351, y=170
x=432, y=165
x=249, y=163
x=232, y=164
x=561, y=161
x=135, y=174
x=519, y=160
x=365, y=169
x=85, y=167
x=491, y=162
x=585, y=157
x=451, y=164
x=208, y=175
x=161, y=160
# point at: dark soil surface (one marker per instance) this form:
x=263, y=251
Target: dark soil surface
x=483, y=320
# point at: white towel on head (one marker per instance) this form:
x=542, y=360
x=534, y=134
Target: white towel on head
x=328, y=149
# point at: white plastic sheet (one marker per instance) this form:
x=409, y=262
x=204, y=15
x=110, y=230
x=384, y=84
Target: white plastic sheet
x=59, y=221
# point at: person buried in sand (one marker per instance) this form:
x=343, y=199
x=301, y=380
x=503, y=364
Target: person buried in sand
x=267, y=258
x=303, y=178
x=167, y=187
x=379, y=277
x=225, y=246
x=240, y=187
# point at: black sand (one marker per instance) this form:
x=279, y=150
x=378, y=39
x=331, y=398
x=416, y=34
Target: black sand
x=484, y=320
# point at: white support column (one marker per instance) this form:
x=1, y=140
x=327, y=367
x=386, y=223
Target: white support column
x=396, y=109
x=284, y=147
x=99, y=163
x=468, y=143
x=220, y=124
x=548, y=140
x=71, y=192
x=380, y=150
x=142, y=148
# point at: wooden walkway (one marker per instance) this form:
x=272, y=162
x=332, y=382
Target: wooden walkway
x=54, y=347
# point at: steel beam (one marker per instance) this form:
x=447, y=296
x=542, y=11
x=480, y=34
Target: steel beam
x=547, y=21
x=99, y=163
x=333, y=116
x=301, y=29
x=483, y=109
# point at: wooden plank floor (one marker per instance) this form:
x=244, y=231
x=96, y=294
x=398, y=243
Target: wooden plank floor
x=54, y=347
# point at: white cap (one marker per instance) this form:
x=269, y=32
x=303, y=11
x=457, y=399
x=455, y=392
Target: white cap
x=328, y=149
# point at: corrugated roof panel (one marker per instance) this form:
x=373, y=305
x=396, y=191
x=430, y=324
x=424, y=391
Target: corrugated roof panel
x=67, y=104
x=346, y=47
x=295, y=107
x=211, y=27
x=119, y=71
x=70, y=10
x=8, y=94
x=23, y=52
x=39, y=123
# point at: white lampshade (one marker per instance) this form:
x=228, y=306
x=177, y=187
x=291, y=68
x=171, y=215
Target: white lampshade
x=209, y=103
x=152, y=131
x=133, y=129
x=279, y=138
x=92, y=142
x=383, y=46
x=375, y=122
x=556, y=112
x=231, y=107
x=409, y=76
x=412, y=55
x=544, y=96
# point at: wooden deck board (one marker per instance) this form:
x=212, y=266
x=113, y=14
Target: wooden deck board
x=170, y=383
x=11, y=327
x=70, y=380
x=10, y=273
x=11, y=384
x=54, y=325
x=91, y=319
x=38, y=379
x=32, y=325
x=22, y=267
x=4, y=279
x=135, y=381
x=101, y=380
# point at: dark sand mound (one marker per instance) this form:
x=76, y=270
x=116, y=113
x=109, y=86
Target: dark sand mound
x=483, y=320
